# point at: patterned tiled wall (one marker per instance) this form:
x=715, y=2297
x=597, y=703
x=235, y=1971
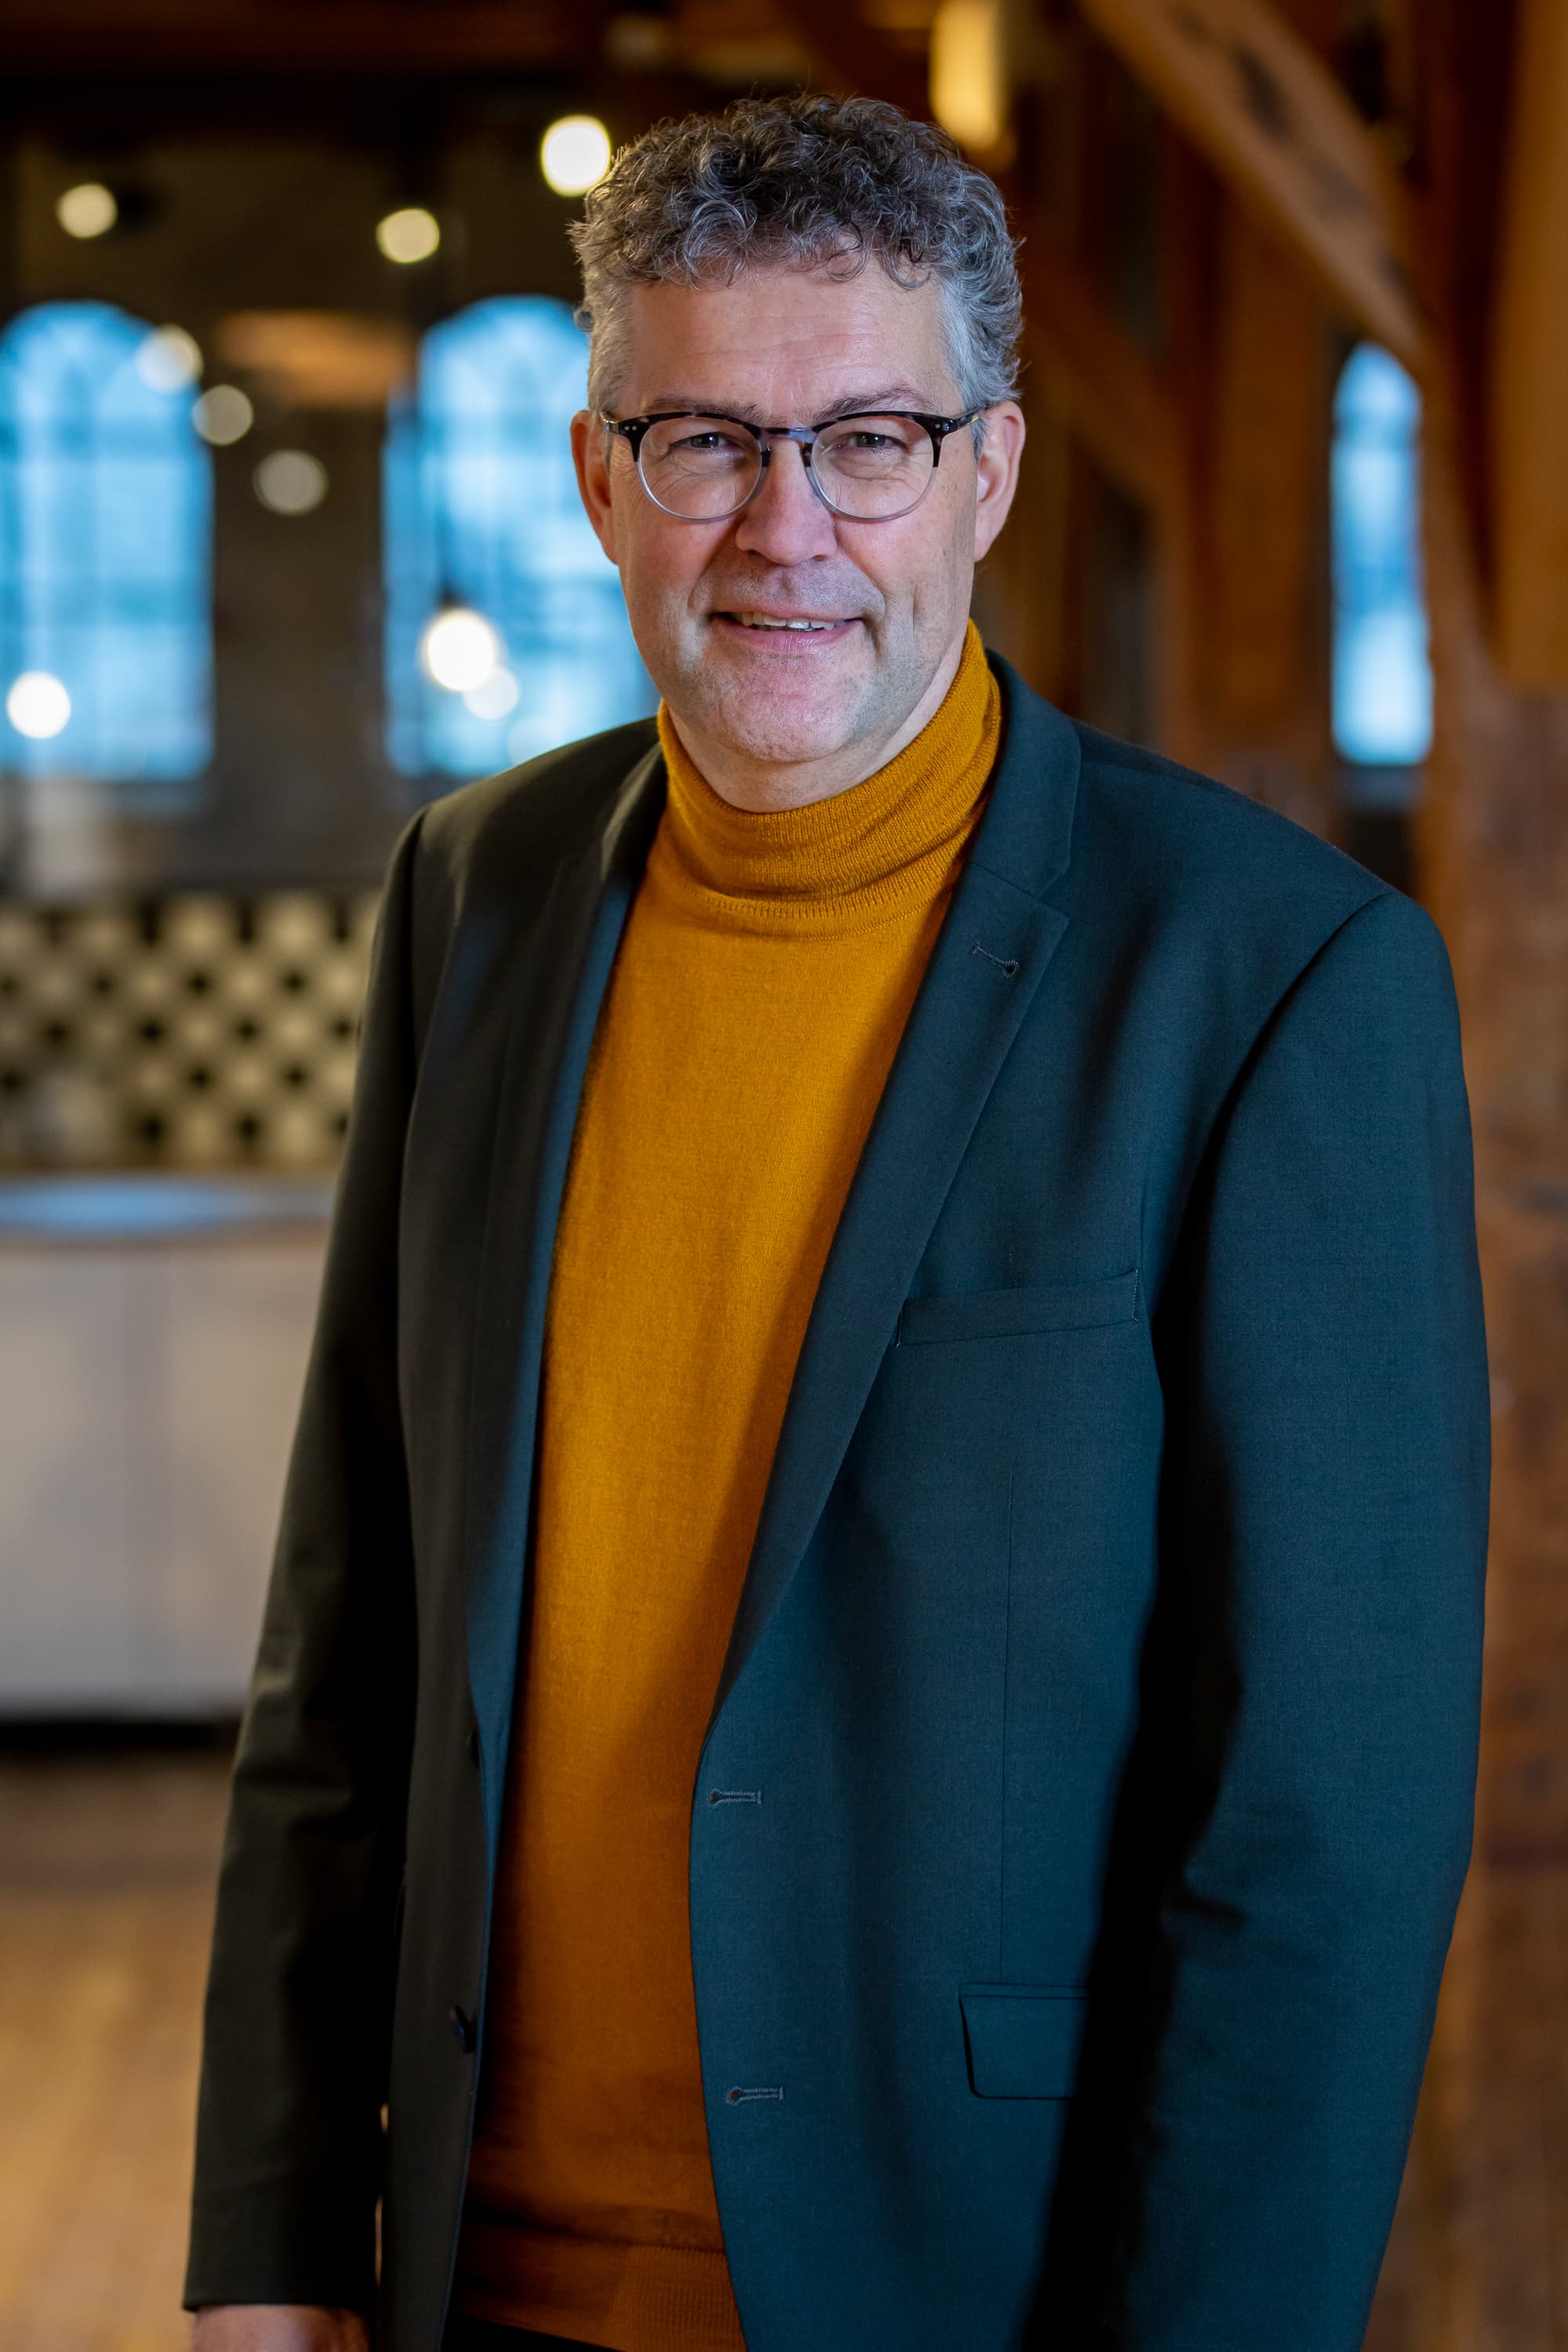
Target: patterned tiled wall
x=188, y=1031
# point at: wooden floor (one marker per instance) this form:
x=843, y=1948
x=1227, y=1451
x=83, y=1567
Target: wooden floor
x=107, y=1862
x=106, y=1871
x=1479, y=2258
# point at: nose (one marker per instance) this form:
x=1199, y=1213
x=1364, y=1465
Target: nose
x=785, y=522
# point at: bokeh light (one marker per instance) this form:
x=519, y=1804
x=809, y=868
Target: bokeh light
x=37, y=705
x=223, y=414
x=969, y=93
x=460, y=649
x=494, y=696
x=88, y=209
x=574, y=154
x=411, y=234
x=168, y=359
x=291, y=481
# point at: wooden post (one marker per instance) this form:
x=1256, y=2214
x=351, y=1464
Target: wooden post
x=1530, y=404
x=1479, y=2249
x=1480, y=2257
x=1260, y=573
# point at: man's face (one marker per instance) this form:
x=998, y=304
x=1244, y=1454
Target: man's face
x=785, y=346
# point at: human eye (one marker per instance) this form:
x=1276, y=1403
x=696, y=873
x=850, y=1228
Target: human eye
x=864, y=442
x=706, y=437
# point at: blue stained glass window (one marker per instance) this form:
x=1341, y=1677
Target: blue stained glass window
x=480, y=507
x=105, y=554
x=1382, y=667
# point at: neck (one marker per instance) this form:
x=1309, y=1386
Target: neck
x=762, y=784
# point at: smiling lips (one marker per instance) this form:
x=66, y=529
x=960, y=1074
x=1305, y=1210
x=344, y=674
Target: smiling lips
x=778, y=620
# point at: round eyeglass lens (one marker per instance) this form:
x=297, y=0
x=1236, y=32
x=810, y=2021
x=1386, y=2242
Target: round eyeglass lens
x=701, y=467
x=874, y=466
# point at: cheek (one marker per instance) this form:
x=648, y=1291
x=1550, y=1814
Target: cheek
x=937, y=570
x=909, y=567
x=661, y=566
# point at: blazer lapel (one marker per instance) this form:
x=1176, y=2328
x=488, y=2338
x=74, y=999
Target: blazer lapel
x=545, y=1062
x=989, y=959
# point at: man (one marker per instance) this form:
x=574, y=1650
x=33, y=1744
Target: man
x=892, y=1774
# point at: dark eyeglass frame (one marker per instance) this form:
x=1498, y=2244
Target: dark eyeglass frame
x=632, y=428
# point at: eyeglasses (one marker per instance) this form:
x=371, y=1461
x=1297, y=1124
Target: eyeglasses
x=869, y=467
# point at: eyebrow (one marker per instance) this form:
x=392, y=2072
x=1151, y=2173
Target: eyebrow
x=853, y=403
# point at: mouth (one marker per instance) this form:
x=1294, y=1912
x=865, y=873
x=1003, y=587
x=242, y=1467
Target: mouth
x=785, y=628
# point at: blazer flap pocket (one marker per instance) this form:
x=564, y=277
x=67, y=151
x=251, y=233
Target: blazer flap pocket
x=1032, y=1306
x=1023, y=2040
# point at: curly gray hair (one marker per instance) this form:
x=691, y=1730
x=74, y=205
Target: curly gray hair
x=806, y=180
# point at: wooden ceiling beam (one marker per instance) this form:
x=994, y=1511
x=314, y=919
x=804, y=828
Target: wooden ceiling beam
x=196, y=36
x=1530, y=364
x=1250, y=92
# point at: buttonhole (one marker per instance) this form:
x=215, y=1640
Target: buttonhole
x=1009, y=964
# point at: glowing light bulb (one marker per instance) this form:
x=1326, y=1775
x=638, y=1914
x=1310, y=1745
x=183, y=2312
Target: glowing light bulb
x=37, y=705
x=223, y=414
x=968, y=72
x=574, y=154
x=459, y=649
x=87, y=210
x=409, y=235
x=168, y=359
x=291, y=481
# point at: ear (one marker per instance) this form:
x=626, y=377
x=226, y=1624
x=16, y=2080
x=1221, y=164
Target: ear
x=591, y=456
x=997, y=471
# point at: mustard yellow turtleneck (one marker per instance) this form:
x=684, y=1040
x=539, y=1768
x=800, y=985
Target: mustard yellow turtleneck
x=765, y=973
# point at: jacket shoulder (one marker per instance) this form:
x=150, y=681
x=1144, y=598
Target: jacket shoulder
x=541, y=810
x=1228, y=902
x=479, y=861
x=1189, y=826
x=1195, y=853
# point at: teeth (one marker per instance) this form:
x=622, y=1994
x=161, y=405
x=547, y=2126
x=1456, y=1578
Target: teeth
x=765, y=621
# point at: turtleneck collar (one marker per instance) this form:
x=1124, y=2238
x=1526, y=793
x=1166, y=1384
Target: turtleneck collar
x=857, y=858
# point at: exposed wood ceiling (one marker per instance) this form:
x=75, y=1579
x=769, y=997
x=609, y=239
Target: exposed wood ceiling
x=1246, y=80
x=78, y=37
x=715, y=39
x=1258, y=99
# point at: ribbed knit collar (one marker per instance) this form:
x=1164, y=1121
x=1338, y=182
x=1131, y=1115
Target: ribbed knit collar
x=858, y=857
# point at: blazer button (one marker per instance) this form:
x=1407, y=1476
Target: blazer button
x=462, y=2026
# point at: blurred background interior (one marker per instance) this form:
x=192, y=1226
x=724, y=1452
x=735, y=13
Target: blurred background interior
x=289, y=544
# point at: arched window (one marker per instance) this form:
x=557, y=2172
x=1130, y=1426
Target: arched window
x=105, y=555
x=1382, y=668
x=482, y=512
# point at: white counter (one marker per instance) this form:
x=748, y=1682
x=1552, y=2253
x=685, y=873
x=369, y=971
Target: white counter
x=153, y=1331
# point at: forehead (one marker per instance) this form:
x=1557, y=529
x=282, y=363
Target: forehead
x=787, y=342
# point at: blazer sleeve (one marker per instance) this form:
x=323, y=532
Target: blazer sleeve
x=299, y=1997
x=1327, y=1533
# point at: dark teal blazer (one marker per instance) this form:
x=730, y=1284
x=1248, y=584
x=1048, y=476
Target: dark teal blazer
x=1102, y=1698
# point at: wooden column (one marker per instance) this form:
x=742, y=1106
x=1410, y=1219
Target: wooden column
x=1528, y=447
x=1479, y=2261
x=1259, y=567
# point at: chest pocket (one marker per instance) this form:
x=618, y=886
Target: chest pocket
x=1031, y=1307
x=1022, y=2041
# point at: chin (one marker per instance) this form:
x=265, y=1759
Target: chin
x=780, y=745
x=779, y=731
